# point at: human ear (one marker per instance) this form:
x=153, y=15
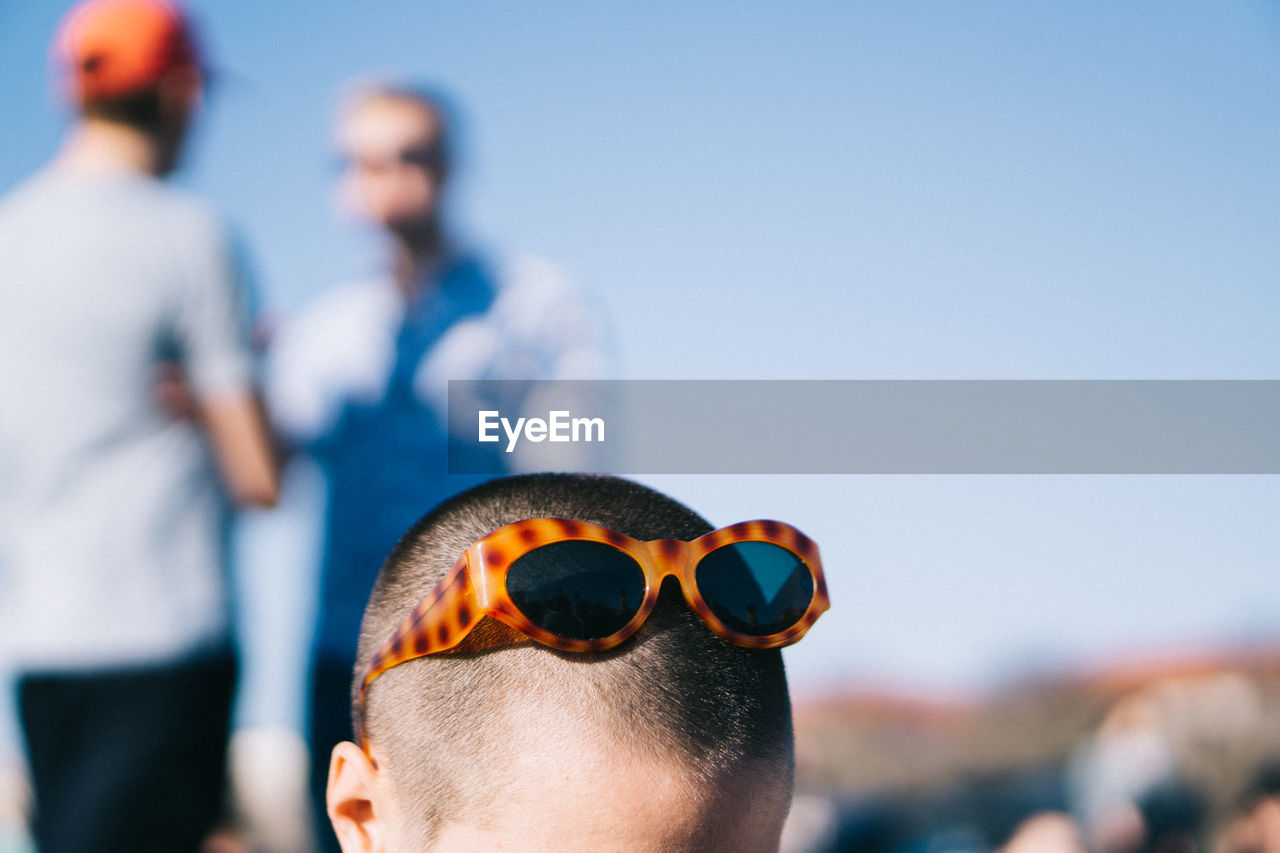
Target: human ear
x=353, y=802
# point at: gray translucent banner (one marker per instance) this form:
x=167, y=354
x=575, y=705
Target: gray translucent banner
x=866, y=427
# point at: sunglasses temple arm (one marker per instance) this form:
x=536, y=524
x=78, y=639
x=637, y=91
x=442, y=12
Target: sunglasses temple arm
x=420, y=633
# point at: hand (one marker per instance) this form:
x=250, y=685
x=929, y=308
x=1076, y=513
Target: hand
x=171, y=392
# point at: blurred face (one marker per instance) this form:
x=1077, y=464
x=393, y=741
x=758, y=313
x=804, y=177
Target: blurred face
x=392, y=171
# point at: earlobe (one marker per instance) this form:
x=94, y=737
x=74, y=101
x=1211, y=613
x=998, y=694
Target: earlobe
x=352, y=800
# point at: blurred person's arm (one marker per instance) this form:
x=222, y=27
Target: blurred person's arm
x=339, y=348
x=218, y=362
x=238, y=432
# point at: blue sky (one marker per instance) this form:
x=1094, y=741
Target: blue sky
x=832, y=190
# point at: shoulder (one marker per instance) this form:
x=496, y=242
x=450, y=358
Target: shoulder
x=176, y=241
x=25, y=193
x=180, y=203
x=119, y=203
x=536, y=298
x=133, y=194
x=532, y=280
x=339, y=346
x=180, y=212
x=540, y=324
x=348, y=310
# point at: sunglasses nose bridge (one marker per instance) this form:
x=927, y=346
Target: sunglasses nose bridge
x=668, y=558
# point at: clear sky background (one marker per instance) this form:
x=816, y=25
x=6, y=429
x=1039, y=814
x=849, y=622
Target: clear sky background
x=830, y=190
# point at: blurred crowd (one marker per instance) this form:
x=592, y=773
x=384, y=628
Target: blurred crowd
x=1184, y=764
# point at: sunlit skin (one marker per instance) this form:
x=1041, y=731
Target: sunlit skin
x=1047, y=832
x=1258, y=831
x=568, y=786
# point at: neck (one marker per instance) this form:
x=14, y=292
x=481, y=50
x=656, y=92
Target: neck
x=102, y=146
x=416, y=251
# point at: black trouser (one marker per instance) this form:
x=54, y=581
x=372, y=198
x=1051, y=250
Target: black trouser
x=128, y=760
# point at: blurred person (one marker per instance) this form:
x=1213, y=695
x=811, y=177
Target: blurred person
x=112, y=511
x=358, y=382
x=15, y=795
x=1109, y=774
x=1255, y=826
x=1129, y=784
x=1046, y=832
x=531, y=679
x=1173, y=815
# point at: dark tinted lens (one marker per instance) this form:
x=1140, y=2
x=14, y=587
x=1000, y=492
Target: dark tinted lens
x=755, y=587
x=580, y=590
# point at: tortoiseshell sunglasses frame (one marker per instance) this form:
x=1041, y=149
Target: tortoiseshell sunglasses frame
x=476, y=587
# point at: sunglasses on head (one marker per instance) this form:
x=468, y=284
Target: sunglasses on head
x=580, y=587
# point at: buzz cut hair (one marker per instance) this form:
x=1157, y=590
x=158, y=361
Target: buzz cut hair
x=674, y=692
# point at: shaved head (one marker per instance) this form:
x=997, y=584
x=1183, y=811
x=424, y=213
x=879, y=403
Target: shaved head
x=675, y=739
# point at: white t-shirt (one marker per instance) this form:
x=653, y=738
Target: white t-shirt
x=111, y=516
x=539, y=326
